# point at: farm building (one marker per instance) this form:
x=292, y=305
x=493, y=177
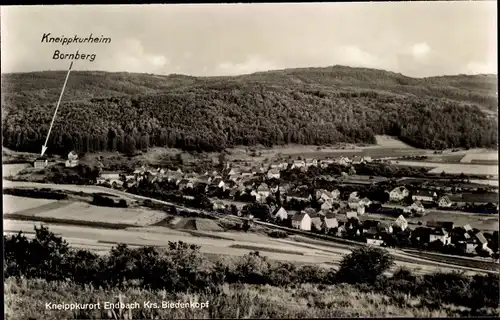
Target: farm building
x=444, y=202
x=398, y=194
x=41, y=163
x=440, y=234
x=424, y=195
x=401, y=223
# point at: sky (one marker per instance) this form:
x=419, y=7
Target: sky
x=417, y=39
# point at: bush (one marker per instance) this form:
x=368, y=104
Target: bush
x=364, y=265
x=278, y=234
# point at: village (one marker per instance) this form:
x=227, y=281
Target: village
x=389, y=217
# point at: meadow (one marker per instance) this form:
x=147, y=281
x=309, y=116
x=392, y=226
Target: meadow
x=251, y=286
x=25, y=299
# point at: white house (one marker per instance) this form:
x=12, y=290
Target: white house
x=335, y=194
x=475, y=241
x=440, y=234
x=401, y=222
x=218, y=183
x=416, y=206
x=280, y=214
x=444, y=202
x=40, y=163
x=311, y=162
x=327, y=205
x=302, y=221
x=351, y=214
x=298, y=164
x=424, y=195
x=219, y=205
x=398, y=194
x=324, y=196
x=72, y=160
x=273, y=174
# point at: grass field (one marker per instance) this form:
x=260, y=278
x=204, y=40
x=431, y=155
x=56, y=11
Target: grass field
x=86, y=212
x=491, y=156
x=14, y=204
x=25, y=299
x=13, y=169
x=452, y=168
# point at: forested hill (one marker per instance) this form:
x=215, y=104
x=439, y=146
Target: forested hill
x=124, y=111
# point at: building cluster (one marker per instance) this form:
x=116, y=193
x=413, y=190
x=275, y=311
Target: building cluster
x=374, y=232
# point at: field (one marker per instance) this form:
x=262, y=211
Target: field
x=452, y=168
x=79, y=211
x=485, y=156
x=13, y=204
x=13, y=169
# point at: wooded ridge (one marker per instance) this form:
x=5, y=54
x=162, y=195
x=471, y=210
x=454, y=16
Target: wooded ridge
x=125, y=111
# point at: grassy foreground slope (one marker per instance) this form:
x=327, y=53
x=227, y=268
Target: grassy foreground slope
x=122, y=111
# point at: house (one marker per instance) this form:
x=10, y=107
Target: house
x=343, y=161
x=424, y=195
x=476, y=241
x=351, y=214
x=219, y=205
x=367, y=159
x=206, y=179
x=311, y=162
x=323, y=195
x=263, y=190
x=298, y=164
x=398, y=194
x=234, y=172
x=218, y=183
x=353, y=196
x=325, y=163
x=329, y=222
x=384, y=228
x=440, y=234
x=273, y=174
x=235, y=177
x=246, y=172
x=356, y=160
x=367, y=224
x=335, y=194
x=373, y=237
x=416, y=207
x=301, y=221
x=444, y=202
x=447, y=225
x=184, y=184
x=316, y=221
x=230, y=185
x=327, y=205
x=280, y=214
x=72, y=160
x=41, y=163
x=365, y=202
x=401, y=223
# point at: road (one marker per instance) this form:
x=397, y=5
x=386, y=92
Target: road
x=103, y=239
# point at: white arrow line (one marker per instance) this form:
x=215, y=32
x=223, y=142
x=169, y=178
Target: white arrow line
x=44, y=147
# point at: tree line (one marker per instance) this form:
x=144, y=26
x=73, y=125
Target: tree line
x=218, y=114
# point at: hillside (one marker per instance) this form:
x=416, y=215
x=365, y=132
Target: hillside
x=124, y=111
